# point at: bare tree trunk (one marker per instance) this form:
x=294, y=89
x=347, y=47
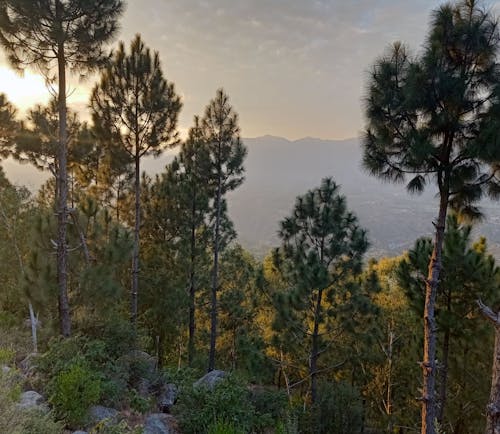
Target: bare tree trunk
x=135, y=256
x=431, y=287
x=33, y=322
x=62, y=181
x=313, y=366
x=493, y=408
x=215, y=279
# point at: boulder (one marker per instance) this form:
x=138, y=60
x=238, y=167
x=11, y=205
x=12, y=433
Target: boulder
x=32, y=400
x=160, y=423
x=98, y=414
x=167, y=397
x=211, y=379
x=80, y=432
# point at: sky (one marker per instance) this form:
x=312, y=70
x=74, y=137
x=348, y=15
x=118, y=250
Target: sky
x=292, y=68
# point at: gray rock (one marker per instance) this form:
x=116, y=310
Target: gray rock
x=167, y=397
x=211, y=379
x=80, y=432
x=30, y=399
x=98, y=413
x=6, y=369
x=160, y=423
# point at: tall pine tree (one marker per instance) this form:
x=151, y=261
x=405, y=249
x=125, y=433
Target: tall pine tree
x=135, y=107
x=61, y=35
x=226, y=152
x=429, y=119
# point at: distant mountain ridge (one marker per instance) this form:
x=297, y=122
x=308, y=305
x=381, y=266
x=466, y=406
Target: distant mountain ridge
x=278, y=170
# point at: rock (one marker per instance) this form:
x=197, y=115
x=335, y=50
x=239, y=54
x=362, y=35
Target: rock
x=98, y=413
x=6, y=369
x=148, y=361
x=80, y=432
x=160, y=423
x=32, y=400
x=167, y=397
x=211, y=379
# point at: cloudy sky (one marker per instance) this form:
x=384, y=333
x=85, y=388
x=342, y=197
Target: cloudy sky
x=292, y=68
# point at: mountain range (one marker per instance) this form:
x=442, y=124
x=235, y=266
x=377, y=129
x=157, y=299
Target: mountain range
x=278, y=170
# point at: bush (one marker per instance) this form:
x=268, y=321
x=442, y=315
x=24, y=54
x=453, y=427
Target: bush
x=221, y=427
x=73, y=392
x=271, y=407
x=199, y=408
x=14, y=420
x=338, y=410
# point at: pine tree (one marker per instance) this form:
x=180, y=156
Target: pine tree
x=187, y=184
x=321, y=255
x=61, y=34
x=430, y=118
x=221, y=133
x=135, y=107
x=468, y=273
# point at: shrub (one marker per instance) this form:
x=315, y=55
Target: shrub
x=199, y=408
x=221, y=427
x=338, y=410
x=14, y=420
x=73, y=391
x=270, y=407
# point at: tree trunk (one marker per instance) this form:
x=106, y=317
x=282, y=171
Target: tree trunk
x=34, y=323
x=135, y=255
x=192, y=285
x=493, y=408
x=431, y=287
x=62, y=211
x=315, y=348
x=215, y=278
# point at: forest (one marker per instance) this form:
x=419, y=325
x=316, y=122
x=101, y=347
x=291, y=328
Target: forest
x=128, y=305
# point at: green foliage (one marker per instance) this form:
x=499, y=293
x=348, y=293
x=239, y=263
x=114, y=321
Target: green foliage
x=338, y=410
x=14, y=420
x=199, y=407
x=270, y=406
x=74, y=390
x=6, y=356
x=221, y=427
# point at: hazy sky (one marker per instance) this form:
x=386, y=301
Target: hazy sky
x=292, y=68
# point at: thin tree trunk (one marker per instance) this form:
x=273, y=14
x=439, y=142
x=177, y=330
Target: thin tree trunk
x=135, y=256
x=33, y=322
x=313, y=367
x=215, y=277
x=62, y=211
x=493, y=408
x=431, y=287
x=192, y=285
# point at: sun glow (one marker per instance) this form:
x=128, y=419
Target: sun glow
x=24, y=91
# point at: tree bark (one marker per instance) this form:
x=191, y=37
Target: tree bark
x=493, y=407
x=313, y=367
x=215, y=279
x=135, y=255
x=431, y=287
x=62, y=211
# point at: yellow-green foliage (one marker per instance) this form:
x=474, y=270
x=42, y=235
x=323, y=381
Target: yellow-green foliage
x=74, y=391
